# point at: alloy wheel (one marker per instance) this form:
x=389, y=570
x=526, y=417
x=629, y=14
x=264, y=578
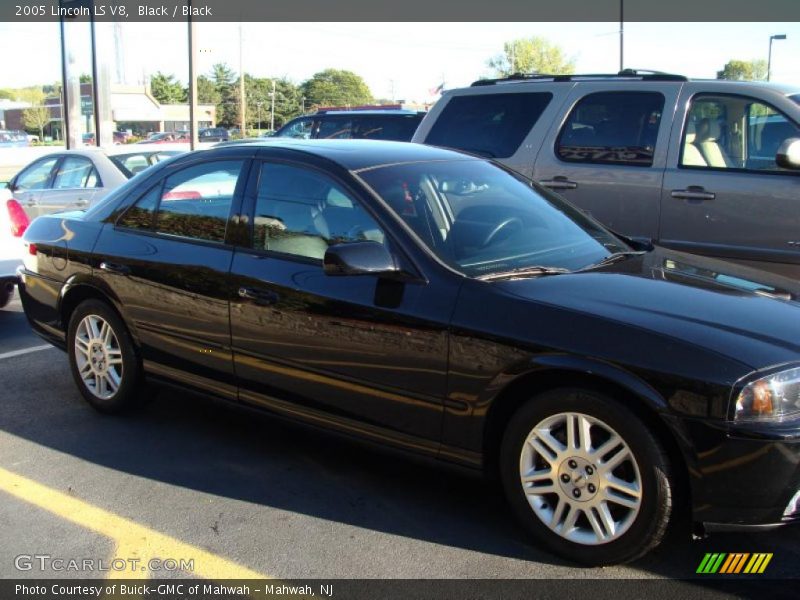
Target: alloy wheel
x=98, y=357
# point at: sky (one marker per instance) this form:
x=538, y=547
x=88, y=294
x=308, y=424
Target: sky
x=397, y=60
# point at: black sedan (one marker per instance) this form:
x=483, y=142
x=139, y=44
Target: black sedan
x=435, y=302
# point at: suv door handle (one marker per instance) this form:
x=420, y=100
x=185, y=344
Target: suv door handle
x=559, y=183
x=262, y=297
x=693, y=192
x=81, y=202
x=115, y=268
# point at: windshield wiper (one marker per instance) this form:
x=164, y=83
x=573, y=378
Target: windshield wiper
x=612, y=258
x=524, y=272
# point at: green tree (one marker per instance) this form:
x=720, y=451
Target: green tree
x=744, y=70
x=225, y=80
x=166, y=90
x=333, y=87
x=207, y=92
x=6, y=94
x=85, y=78
x=531, y=55
x=36, y=117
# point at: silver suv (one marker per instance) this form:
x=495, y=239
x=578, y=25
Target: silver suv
x=705, y=166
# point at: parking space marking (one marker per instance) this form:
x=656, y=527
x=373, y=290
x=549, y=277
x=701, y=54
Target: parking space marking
x=14, y=353
x=132, y=540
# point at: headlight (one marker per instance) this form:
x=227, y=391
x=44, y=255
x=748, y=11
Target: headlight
x=772, y=398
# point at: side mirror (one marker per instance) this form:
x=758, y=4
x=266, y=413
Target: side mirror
x=361, y=258
x=788, y=155
x=11, y=186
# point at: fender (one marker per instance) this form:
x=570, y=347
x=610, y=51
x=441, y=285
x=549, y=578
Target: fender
x=79, y=280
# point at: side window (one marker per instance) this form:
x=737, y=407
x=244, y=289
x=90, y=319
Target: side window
x=390, y=127
x=734, y=132
x=492, y=125
x=301, y=212
x=196, y=202
x=335, y=129
x=37, y=175
x=141, y=215
x=618, y=128
x=299, y=129
x=75, y=172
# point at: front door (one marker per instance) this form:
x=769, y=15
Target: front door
x=359, y=352
x=723, y=195
x=28, y=185
x=74, y=185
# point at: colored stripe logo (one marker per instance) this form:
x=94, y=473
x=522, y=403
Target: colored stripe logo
x=734, y=563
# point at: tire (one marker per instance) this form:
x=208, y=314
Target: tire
x=6, y=293
x=615, y=503
x=103, y=358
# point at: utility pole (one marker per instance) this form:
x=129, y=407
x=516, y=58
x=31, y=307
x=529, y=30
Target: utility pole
x=193, y=140
x=621, y=34
x=258, y=104
x=272, y=108
x=243, y=99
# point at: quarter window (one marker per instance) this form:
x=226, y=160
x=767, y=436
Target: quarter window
x=491, y=125
x=301, y=212
x=75, y=172
x=734, y=132
x=612, y=128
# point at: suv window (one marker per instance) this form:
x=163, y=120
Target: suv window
x=300, y=128
x=301, y=212
x=75, y=172
x=612, y=128
x=492, y=125
x=387, y=127
x=37, y=175
x=734, y=132
x=335, y=129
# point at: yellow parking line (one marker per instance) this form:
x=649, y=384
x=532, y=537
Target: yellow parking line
x=133, y=541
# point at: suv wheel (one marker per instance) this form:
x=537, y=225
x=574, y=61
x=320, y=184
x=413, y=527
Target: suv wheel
x=586, y=477
x=102, y=357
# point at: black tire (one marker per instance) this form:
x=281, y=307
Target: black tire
x=641, y=529
x=6, y=293
x=126, y=395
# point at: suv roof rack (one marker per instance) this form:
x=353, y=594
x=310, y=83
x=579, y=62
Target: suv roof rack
x=625, y=74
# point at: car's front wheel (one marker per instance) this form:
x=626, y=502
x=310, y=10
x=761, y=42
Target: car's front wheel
x=103, y=358
x=586, y=477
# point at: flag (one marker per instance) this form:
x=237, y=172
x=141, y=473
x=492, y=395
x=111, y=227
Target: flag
x=437, y=90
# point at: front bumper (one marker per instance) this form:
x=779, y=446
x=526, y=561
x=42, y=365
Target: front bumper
x=744, y=476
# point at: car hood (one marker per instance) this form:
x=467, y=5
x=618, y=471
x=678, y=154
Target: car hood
x=747, y=315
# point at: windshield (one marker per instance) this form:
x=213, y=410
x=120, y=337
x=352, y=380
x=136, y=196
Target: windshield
x=482, y=220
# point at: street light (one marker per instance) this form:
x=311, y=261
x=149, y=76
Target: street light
x=780, y=36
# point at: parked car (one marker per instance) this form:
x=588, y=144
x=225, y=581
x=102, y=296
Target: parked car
x=68, y=180
x=11, y=247
x=167, y=137
x=693, y=164
x=397, y=125
x=13, y=139
x=137, y=161
x=213, y=134
x=435, y=302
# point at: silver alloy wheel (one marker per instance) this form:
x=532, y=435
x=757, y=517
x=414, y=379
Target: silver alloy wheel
x=580, y=478
x=98, y=356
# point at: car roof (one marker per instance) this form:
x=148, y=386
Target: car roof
x=390, y=112
x=354, y=155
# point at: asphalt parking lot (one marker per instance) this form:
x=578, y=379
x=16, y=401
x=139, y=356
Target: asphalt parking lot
x=246, y=496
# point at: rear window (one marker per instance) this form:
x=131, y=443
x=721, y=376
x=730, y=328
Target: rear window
x=795, y=97
x=491, y=125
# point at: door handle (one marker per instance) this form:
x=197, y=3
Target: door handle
x=81, y=202
x=559, y=183
x=263, y=297
x=115, y=268
x=693, y=192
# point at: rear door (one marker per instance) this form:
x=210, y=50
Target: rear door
x=74, y=185
x=167, y=260
x=607, y=151
x=29, y=184
x=724, y=196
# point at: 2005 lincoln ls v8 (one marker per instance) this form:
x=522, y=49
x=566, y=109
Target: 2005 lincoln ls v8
x=435, y=302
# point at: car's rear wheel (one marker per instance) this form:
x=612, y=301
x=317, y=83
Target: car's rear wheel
x=6, y=293
x=586, y=477
x=103, y=358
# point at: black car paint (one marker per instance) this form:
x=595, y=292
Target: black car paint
x=423, y=365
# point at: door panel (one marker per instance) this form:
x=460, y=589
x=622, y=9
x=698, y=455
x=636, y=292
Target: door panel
x=607, y=152
x=723, y=194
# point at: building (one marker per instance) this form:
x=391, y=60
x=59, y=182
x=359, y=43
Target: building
x=133, y=108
